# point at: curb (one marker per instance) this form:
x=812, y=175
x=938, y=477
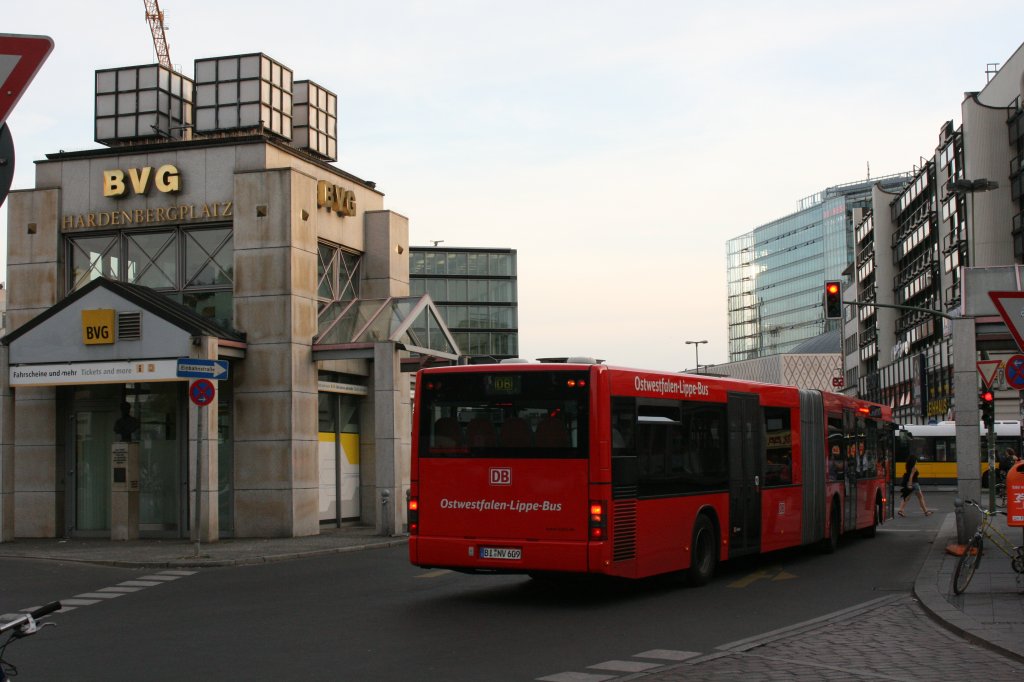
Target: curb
x=201, y=562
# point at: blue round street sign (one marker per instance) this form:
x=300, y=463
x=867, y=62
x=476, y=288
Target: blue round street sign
x=202, y=392
x=1014, y=372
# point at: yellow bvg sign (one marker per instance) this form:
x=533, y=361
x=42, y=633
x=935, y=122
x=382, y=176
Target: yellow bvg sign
x=97, y=327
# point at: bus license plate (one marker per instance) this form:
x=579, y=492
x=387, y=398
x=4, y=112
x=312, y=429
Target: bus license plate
x=511, y=553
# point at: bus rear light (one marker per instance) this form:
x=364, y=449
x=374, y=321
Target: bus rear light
x=598, y=524
x=413, y=515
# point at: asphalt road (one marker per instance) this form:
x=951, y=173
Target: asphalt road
x=371, y=616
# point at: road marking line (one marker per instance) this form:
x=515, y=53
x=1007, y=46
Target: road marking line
x=770, y=573
x=80, y=602
x=122, y=590
x=434, y=574
x=624, y=666
x=140, y=583
x=99, y=595
x=667, y=654
x=576, y=677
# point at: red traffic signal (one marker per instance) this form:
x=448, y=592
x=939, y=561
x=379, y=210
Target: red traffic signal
x=833, y=300
x=987, y=406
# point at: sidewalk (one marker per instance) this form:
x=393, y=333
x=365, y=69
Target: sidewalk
x=991, y=611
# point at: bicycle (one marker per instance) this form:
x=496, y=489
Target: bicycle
x=1001, y=493
x=971, y=558
x=22, y=626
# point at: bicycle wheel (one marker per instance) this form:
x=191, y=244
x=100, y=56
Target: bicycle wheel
x=967, y=565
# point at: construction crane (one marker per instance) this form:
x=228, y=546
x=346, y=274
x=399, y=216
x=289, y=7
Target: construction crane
x=155, y=18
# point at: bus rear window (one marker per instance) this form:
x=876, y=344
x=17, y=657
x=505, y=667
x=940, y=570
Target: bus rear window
x=504, y=414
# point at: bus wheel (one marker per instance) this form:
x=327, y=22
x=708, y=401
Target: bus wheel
x=703, y=552
x=872, y=530
x=831, y=542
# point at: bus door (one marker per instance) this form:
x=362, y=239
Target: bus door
x=745, y=472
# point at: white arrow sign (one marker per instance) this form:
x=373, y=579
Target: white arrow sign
x=196, y=368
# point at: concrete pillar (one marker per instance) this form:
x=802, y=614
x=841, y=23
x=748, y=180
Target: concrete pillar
x=6, y=451
x=33, y=466
x=387, y=396
x=968, y=432
x=276, y=475
x=202, y=451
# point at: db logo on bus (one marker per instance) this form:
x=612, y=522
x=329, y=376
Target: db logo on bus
x=501, y=476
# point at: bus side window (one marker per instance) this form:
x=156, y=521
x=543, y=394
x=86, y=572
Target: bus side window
x=779, y=445
x=836, y=450
x=623, y=425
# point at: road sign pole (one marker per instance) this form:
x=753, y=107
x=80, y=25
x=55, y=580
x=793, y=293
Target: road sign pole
x=992, y=464
x=200, y=425
x=201, y=392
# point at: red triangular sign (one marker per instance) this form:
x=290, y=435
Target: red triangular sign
x=1010, y=305
x=20, y=59
x=988, y=370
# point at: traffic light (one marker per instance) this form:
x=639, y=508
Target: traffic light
x=987, y=406
x=833, y=300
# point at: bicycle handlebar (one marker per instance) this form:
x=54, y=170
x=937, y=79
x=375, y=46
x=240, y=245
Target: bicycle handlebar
x=983, y=510
x=45, y=610
x=29, y=618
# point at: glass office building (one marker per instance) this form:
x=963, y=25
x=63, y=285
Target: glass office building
x=775, y=272
x=475, y=291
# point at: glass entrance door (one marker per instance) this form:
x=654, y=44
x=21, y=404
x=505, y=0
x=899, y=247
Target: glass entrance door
x=94, y=412
x=161, y=456
x=92, y=422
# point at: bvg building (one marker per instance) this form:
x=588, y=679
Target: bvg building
x=208, y=321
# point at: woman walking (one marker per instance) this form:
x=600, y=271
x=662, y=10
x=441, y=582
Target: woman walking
x=911, y=486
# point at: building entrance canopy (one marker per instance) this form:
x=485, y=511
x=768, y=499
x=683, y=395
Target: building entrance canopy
x=110, y=332
x=412, y=322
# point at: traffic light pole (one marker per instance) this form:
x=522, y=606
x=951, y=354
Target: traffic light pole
x=937, y=313
x=986, y=403
x=991, y=424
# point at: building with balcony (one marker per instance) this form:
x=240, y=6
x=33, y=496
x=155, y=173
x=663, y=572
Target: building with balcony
x=964, y=207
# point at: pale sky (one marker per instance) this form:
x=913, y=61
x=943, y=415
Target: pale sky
x=616, y=145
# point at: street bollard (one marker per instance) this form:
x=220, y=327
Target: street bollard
x=961, y=530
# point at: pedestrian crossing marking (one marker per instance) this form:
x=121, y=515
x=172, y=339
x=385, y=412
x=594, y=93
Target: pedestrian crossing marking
x=434, y=574
x=668, y=654
x=773, y=573
x=625, y=666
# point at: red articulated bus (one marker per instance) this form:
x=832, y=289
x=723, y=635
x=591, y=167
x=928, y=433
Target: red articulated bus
x=579, y=467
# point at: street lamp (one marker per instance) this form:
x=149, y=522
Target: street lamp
x=696, y=352
x=963, y=186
